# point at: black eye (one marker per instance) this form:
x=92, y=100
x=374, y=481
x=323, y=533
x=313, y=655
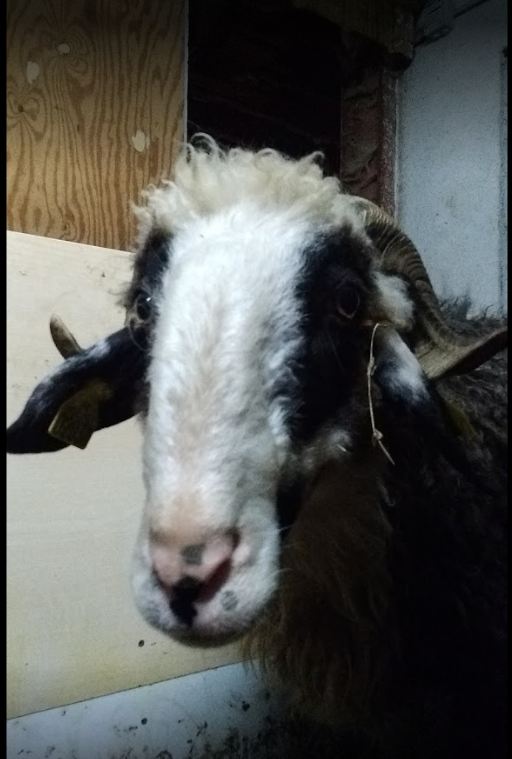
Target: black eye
x=348, y=301
x=142, y=307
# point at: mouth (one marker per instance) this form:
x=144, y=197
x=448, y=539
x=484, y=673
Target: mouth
x=196, y=615
x=189, y=593
x=212, y=610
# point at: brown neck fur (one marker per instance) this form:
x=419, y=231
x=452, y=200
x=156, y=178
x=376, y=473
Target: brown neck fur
x=328, y=615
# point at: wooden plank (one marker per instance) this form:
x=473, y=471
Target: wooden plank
x=94, y=112
x=73, y=631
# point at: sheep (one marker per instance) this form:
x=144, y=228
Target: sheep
x=324, y=451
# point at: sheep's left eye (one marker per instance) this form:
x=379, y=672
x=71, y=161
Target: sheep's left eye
x=142, y=307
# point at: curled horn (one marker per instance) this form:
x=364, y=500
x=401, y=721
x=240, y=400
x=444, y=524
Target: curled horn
x=440, y=350
x=63, y=339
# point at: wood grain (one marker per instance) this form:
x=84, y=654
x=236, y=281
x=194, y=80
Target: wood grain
x=73, y=631
x=94, y=112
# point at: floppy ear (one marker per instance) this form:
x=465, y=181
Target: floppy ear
x=408, y=394
x=93, y=388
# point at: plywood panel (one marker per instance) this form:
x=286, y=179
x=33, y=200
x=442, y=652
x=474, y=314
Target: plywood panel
x=73, y=631
x=94, y=112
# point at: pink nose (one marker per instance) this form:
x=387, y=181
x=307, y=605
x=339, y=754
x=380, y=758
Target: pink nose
x=194, y=572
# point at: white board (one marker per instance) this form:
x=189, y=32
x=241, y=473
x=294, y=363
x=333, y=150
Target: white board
x=73, y=631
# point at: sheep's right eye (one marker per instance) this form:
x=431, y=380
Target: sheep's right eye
x=142, y=307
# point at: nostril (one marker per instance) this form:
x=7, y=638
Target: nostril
x=193, y=554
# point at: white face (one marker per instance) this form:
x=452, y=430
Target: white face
x=216, y=439
x=256, y=363
x=255, y=370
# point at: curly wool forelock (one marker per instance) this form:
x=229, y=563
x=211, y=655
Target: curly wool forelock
x=207, y=179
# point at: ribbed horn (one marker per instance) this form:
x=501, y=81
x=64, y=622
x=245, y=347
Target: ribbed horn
x=440, y=350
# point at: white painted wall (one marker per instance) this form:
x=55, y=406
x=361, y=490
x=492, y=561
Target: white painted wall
x=452, y=156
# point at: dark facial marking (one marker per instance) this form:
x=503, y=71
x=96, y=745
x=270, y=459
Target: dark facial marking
x=184, y=595
x=147, y=277
x=289, y=500
x=229, y=600
x=333, y=291
x=149, y=266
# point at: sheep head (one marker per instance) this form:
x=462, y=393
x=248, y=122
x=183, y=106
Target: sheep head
x=259, y=296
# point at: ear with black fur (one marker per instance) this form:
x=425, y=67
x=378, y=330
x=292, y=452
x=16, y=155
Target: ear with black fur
x=93, y=388
x=408, y=394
